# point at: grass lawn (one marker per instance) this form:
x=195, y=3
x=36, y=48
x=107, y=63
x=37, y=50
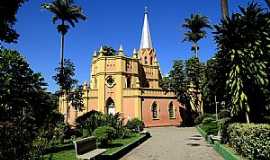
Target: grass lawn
x=116, y=145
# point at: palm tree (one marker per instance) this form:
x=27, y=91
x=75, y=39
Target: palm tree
x=195, y=25
x=224, y=9
x=66, y=12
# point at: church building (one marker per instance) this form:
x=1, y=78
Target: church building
x=128, y=85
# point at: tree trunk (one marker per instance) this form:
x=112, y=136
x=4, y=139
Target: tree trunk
x=268, y=3
x=247, y=117
x=62, y=55
x=195, y=49
x=225, y=9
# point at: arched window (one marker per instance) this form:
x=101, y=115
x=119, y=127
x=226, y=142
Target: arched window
x=154, y=110
x=110, y=107
x=171, y=111
x=151, y=60
x=145, y=60
x=128, y=82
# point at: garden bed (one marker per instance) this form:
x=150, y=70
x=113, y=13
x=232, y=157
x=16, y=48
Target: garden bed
x=225, y=151
x=118, y=148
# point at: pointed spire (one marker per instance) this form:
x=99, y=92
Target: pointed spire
x=135, y=54
x=121, y=50
x=100, y=51
x=95, y=53
x=146, y=41
x=134, y=51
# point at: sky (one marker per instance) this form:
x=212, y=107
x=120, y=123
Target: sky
x=113, y=22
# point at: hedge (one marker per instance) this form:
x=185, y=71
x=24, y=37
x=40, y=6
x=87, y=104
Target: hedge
x=250, y=140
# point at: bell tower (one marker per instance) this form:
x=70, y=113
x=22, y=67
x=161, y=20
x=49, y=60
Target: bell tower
x=147, y=56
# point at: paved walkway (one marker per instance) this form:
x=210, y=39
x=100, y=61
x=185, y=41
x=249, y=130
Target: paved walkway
x=172, y=143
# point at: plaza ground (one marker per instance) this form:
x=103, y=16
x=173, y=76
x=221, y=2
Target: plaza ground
x=172, y=143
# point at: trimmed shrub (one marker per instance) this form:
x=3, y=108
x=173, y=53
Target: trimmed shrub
x=250, y=140
x=135, y=125
x=200, y=118
x=223, y=125
x=224, y=113
x=90, y=121
x=124, y=132
x=104, y=135
x=209, y=125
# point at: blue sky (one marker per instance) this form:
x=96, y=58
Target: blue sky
x=113, y=22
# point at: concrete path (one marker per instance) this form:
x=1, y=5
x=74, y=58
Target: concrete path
x=172, y=143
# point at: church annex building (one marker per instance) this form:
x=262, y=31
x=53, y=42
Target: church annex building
x=128, y=85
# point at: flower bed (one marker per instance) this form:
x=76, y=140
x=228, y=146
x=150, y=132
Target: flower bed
x=117, y=148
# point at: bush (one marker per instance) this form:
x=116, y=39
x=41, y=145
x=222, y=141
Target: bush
x=90, y=121
x=69, y=132
x=223, y=128
x=104, y=135
x=135, y=125
x=124, y=132
x=224, y=114
x=250, y=140
x=209, y=125
x=200, y=118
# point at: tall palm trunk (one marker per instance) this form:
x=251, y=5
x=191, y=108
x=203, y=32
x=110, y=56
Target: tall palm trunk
x=268, y=3
x=225, y=9
x=195, y=45
x=62, y=53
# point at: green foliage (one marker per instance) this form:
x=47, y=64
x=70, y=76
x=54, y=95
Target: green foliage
x=8, y=13
x=165, y=83
x=115, y=121
x=75, y=97
x=66, y=80
x=200, y=118
x=250, y=140
x=91, y=120
x=243, y=40
x=64, y=11
x=209, y=125
x=135, y=125
x=224, y=113
x=25, y=109
x=104, y=135
x=107, y=51
x=195, y=25
x=223, y=125
x=179, y=79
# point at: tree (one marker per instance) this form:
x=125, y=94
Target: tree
x=215, y=82
x=107, y=51
x=178, y=80
x=195, y=78
x=75, y=97
x=224, y=9
x=68, y=82
x=66, y=12
x=25, y=106
x=8, y=10
x=243, y=41
x=195, y=26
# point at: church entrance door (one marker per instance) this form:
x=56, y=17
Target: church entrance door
x=110, y=107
